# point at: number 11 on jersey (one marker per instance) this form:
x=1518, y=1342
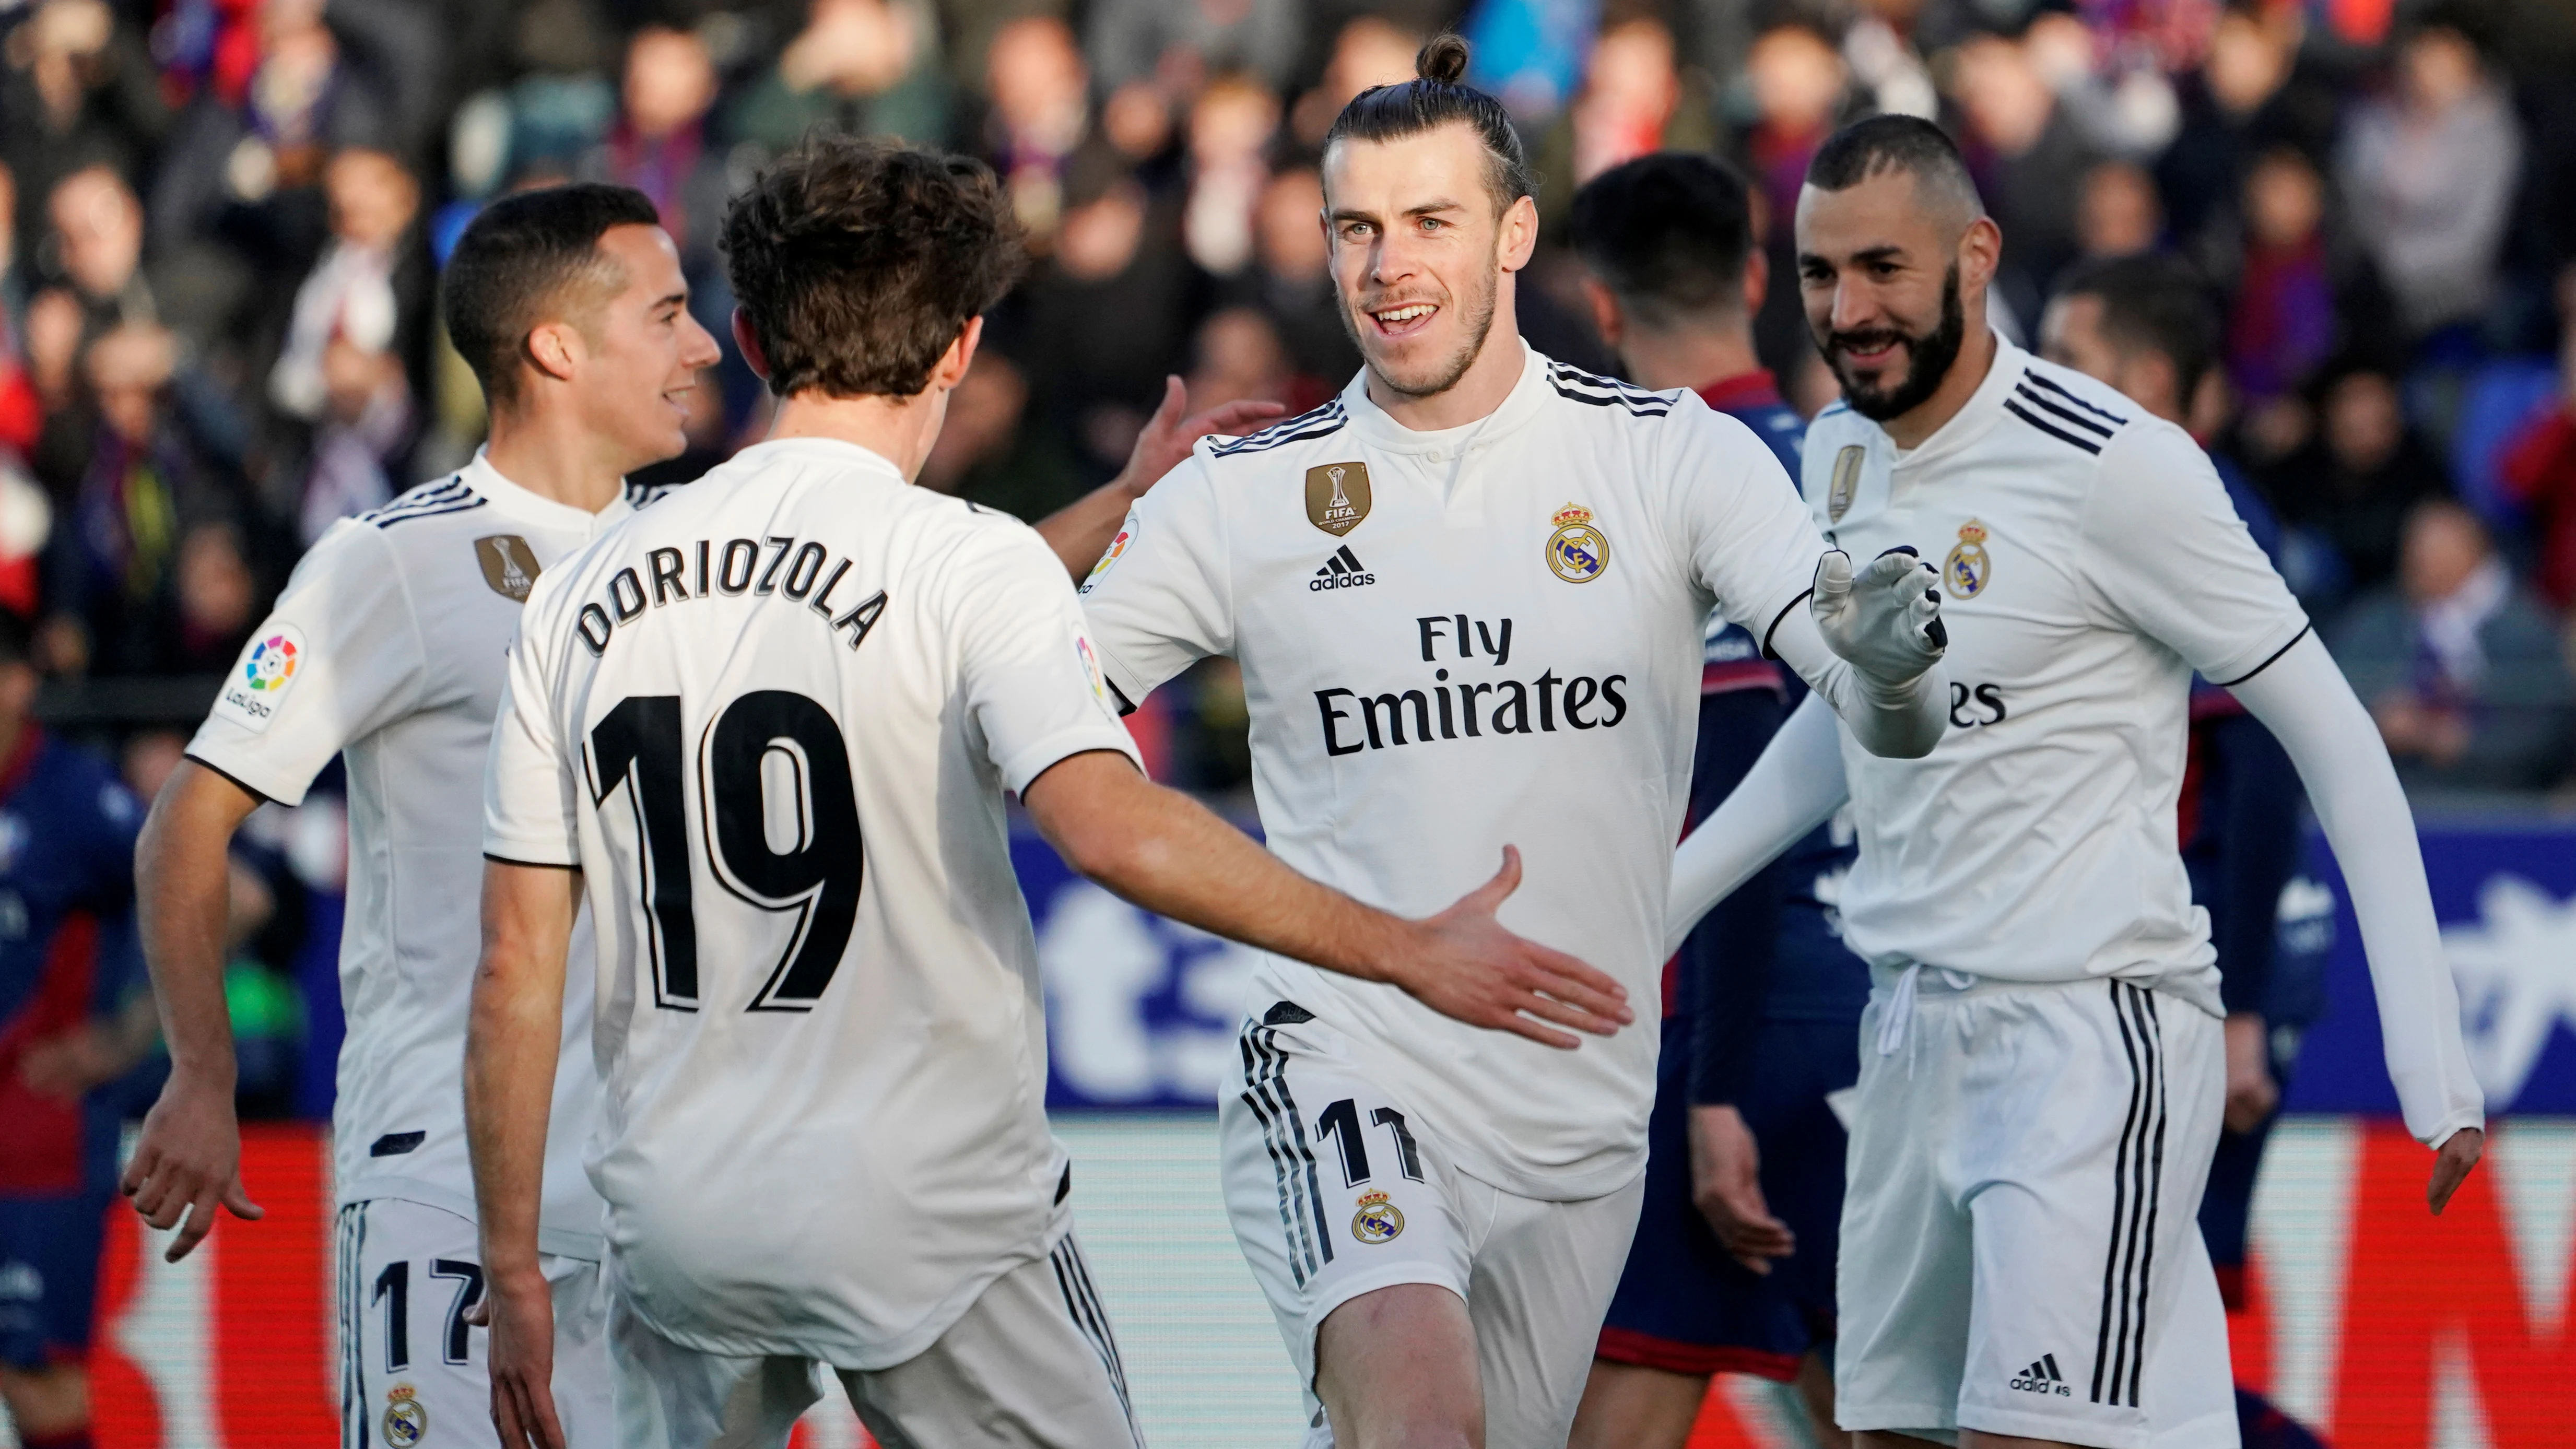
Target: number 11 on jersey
x=638, y=745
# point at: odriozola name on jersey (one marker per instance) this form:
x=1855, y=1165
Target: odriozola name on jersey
x=802, y=572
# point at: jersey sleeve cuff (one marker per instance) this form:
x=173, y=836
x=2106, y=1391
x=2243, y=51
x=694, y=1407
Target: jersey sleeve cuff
x=1035, y=760
x=2254, y=661
x=271, y=786
x=1131, y=686
x=521, y=850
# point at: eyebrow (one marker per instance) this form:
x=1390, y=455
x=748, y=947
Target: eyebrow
x=1428, y=208
x=674, y=299
x=1887, y=252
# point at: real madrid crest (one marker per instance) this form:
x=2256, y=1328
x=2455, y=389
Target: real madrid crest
x=406, y=1418
x=1377, y=1221
x=1337, y=496
x=1577, y=551
x=1968, y=570
x=1846, y=484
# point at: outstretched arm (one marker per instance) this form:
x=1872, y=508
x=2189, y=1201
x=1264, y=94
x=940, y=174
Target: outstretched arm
x=188, y=1158
x=1791, y=790
x=1080, y=531
x=2303, y=699
x=1170, y=854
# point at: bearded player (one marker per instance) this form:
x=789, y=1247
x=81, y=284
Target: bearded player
x=2042, y=1071
x=1468, y=598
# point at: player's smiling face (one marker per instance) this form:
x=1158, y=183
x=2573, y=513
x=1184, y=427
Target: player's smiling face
x=1880, y=275
x=1419, y=251
x=646, y=351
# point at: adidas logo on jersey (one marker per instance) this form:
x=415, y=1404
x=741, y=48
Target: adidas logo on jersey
x=2042, y=1377
x=1342, y=571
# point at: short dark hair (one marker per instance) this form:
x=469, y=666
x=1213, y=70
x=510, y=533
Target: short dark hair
x=1668, y=234
x=856, y=263
x=1886, y=143
x=2155, y=304
x=1437, y=95
x=518, y=258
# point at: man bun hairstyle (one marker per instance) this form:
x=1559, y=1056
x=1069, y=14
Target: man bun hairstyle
x=528, y=259
x=856, y=263
x=1668, y=234
x=2154, y=304
x=1908, y=144
x=1439, y=95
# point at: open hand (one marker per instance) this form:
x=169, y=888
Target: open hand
x=1167, y=436
x=1885, y=619
x=187, y=1160
x=1463, y=964
x=2251, y=1092
x=1726, y=1187
x=519, y=1309
x=2451, y=1163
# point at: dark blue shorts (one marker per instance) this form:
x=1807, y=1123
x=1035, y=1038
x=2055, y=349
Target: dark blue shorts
x=49, y=1251
x=1683, y=1305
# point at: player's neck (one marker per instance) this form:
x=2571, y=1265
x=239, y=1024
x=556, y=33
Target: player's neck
x=899, y=430
x=1474, y=396
x=1976, y=358
x=556, y=459
x=1686, y=356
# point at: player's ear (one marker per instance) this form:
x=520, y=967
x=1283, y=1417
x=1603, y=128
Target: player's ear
x=1981, y=251
x=555, y=349
x=950, y=370
x=1757, y=279
x=1605, y=312
x=744, y=338
x=1519, y=234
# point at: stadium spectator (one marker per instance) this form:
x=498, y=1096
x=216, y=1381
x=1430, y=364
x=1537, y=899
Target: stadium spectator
x=1039, y=90
x=659, y=143
x=1133, y=40
x=97, y=233
x=22, y=412
x=2460, y=662
x=1230, y=129
x=2117, y=213
x=1633, y=101
x=2354, y=483
x=2430, y=173
x=1108, y=310
x=859, y=67
x=77, y=90
x=2250, y=93
x=2029, y=158
x=1289, y=284
x=2538, y=470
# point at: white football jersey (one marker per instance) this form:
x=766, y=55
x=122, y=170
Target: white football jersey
x=2090, y=561
x=1459, y=640
x=772, y=720
x=388, y=648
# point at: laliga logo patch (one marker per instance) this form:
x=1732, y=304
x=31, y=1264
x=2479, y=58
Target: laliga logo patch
x=252, y=694
x=1109, y=556
x=1377, y=1221
x=1091, y=671
x=1968, y=570
x=1577, y=551
x=1337, y=496
x=1846, y=484
x=406, y=1418
x=271, y=666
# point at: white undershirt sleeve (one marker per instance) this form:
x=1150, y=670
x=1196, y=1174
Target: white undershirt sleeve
x=1901, y=719
x=1791, y=790
x=2301, y=697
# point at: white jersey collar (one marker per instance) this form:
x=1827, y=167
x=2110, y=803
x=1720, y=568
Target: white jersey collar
x=838, y=451
x=1979, y=413
x=1519, y=405
x=529, y=507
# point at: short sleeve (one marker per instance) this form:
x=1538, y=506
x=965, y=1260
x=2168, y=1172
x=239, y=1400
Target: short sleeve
x=338, y=658
x=2165, y=553
x=531, y=784
x=1027, y=668
x=1737, y=515
x=1159, y=600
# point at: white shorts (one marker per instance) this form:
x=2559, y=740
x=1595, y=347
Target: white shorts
x=2021, y=1249
x=1336, y=1189
x=409, y=1362
x=1031, y=1365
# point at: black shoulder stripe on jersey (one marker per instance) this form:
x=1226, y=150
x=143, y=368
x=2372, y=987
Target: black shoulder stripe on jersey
x=2060, y=411
x=2029, y=375
x=1322, y=422
x=1776, y=620
x=2269, y=659
x=2054, y=431
x=247, y=788
x=1576, y=385
x=463, y=505
x=427, y=495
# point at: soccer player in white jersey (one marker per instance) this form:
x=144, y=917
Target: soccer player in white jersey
x=1467, y=597
x=766, y=727
x=387, y=648
x=2042, y=1074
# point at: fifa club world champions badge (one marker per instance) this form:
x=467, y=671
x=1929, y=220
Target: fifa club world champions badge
x=406, y=1418
x=1846, y=483
x=1378, y=1220
x=1577, y=551
x=1967, y=570
x=1337, y=496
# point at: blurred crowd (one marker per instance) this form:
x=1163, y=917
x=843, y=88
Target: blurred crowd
x=222, y=223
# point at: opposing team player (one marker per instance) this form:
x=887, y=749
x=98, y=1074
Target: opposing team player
x=67, y=961
x=1732, y=1270
x=2146, y=326
x=1468, y=599
x=388, y=648
x=2041, y=1078
x=766, y=726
